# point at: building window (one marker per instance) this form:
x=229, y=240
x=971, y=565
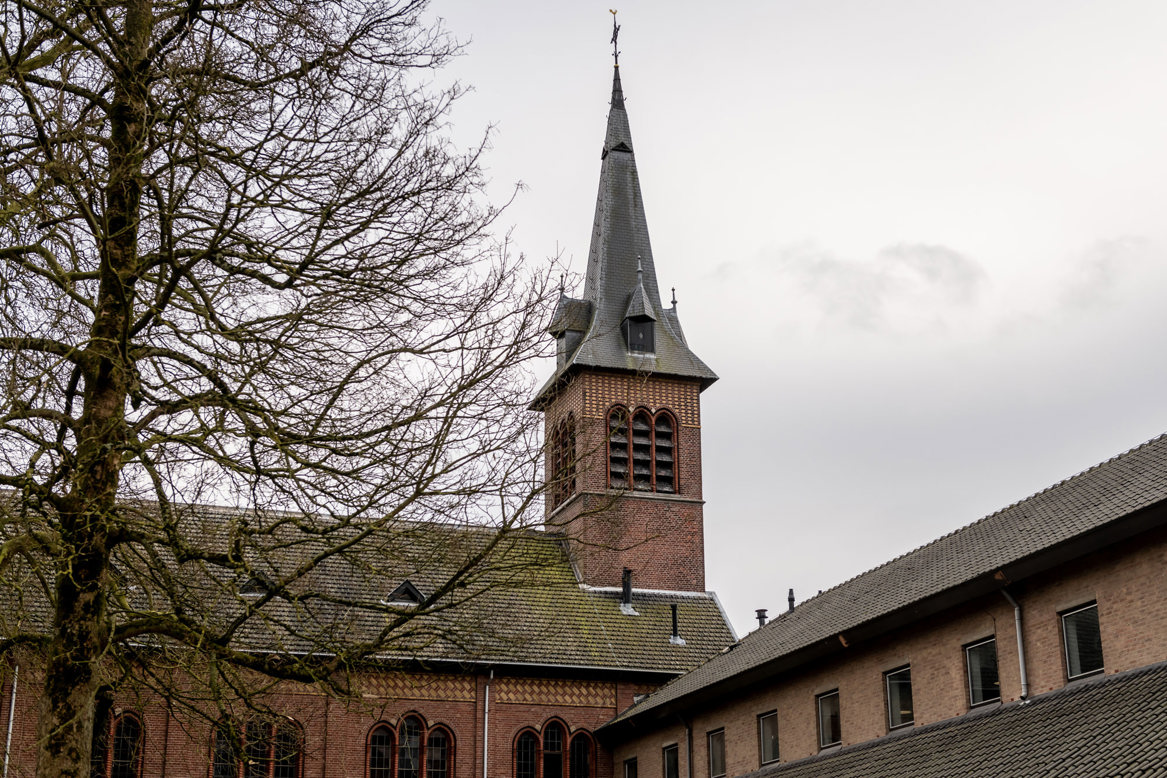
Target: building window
x=258, y=749
x=526, y=755
x=898, y=683
x=768, y=737
x=379, y=752
x=638, y=334
x=553, y=751
x=716, y=753
x=581, y=756
x=409, y=748
x=830, y=727
x=438, y=756
x=642, y=451
x=671, y=758
x=563, y=456
x=1083, y=641
x=630, y=768
x=983, y=683
x=117, y=753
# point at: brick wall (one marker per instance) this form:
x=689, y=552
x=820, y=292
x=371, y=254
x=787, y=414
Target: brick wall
x=659, y=536
x=1125, y=580
x=177, y=741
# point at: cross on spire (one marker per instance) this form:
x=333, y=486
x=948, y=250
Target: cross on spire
x=615, y=35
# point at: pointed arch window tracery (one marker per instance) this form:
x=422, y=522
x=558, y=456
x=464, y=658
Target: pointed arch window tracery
x=642, y=452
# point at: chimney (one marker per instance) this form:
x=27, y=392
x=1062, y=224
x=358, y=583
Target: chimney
x=626, y=594
x=761, y=614
x=676, y=638
x=790, y=601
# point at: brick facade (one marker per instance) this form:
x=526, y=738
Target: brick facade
x=660, y=537
x=178, y=743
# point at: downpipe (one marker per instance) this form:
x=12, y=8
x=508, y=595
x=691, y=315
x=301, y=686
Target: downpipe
x=1020, y=644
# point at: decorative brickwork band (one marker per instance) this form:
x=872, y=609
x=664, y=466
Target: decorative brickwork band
x=399, y=686
x=545, y=691
x=602, y=390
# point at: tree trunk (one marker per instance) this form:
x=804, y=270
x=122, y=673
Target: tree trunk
x=81, y=628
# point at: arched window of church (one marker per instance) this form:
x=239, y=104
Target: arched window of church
x=618, y=443
x=117, y=746
x=257, y=749
x=409, y=748
x=379, y=752
x=126, y=754
x=563, y=461
x=582, y=756
x=642, y=450
x=526, y=755
x=553, y=742
x=664, y=459
x=438, y=753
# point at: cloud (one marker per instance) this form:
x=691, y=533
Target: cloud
x=909, y=287
x=1111, y=272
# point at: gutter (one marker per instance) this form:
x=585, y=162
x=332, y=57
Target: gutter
x=11, y=713
x=486, y=725
x=1020, y=644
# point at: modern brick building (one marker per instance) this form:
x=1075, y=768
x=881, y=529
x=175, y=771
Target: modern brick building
x=1032, y=642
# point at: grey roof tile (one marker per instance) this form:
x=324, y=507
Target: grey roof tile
x=522, y=605
x=1088, y=501
x=1107, y=727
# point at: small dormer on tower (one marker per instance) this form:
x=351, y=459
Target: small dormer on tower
x=622, y=411
x=639, y=325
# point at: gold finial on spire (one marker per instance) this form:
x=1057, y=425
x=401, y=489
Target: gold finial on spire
x=615, y=35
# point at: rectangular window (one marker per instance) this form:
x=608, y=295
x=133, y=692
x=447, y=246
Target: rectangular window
x=768, y=737
x=671, y=756
x=983, y=683
x=830, y=728
x=900, y=712
x=1083, y=640
x=717, y=753
x=630, y=768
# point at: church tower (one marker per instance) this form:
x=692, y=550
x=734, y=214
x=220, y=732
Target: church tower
x=622, y=411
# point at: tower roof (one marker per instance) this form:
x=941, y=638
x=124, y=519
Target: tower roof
x=621, y=276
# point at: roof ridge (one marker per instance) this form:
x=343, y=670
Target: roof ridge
x=982, y=520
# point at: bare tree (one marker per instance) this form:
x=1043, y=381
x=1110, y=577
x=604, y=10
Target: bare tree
x=240, y=264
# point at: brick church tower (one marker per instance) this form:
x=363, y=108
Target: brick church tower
x=623, y=410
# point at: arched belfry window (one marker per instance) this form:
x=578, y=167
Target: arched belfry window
x=642, y=450
x=563, y=461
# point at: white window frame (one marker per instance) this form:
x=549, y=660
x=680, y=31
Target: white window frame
x=818, y=704
x=973, y=702
x=887, y=678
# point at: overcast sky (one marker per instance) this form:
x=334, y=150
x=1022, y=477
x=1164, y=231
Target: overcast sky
x=924, y=244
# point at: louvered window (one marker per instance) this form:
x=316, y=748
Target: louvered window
x=642, y=451
x=563, y=461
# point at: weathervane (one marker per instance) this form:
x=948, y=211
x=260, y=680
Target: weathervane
x=615, y=34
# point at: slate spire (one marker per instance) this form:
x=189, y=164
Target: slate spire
x=621, y=281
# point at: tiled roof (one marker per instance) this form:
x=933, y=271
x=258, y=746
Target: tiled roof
x=1054, y=517
x=1106, y=727
x=619, y=246
x=522, y=605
